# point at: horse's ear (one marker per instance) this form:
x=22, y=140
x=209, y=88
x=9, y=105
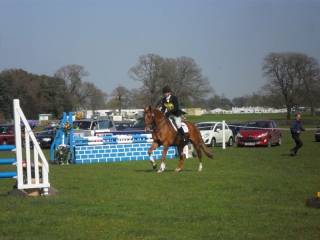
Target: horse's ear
x=147, y=109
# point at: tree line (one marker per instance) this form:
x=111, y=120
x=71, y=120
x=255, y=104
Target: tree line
x=63, y=92
x=292, y=80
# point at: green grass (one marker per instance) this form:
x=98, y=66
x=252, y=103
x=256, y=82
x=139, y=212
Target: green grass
x=243, y=193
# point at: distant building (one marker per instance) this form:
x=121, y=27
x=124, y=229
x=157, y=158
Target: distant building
x=257, y=110
x=220, y=111
x=194, y=111
x=125, y=113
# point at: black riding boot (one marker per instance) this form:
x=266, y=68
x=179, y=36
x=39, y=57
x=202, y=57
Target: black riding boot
x=183, y=136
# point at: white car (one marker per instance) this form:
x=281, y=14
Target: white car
x=211, y=133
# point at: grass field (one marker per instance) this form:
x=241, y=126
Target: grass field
x=243, y=193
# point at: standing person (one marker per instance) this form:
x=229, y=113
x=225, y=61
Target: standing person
x=169, y=105
x=296, y=129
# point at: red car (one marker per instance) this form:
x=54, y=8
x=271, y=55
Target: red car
x=7, y=134
x=259, y=133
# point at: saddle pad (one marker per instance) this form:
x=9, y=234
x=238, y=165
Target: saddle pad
x=183, y=125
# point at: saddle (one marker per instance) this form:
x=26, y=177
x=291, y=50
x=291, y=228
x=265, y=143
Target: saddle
x=183, y=125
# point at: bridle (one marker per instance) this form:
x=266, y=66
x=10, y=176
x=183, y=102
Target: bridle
x=152, y=126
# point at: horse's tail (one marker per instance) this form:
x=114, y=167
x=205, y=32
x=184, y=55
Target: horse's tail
x=201, y=143
x=206, y=150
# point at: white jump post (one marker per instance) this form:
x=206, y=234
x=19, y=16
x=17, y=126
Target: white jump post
x=223, y=134
x=25, y=179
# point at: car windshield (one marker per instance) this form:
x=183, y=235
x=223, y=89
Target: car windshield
x=46, y=132
x=6, y=129
x=3, y=129
x=105, y=124
x=81, y=125
x=204, y=126
x=258, y=124
x=235, y=125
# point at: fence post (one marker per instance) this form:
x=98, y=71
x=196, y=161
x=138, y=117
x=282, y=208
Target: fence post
x=17, y=130
x=223, y=134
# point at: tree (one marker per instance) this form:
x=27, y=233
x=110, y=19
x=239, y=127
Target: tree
x=148, y=72
x=182, y=74
x=307, y=69
x=137, y=98
x=121, y=96
x=5, y=98
x=53, y=96
x=38, y=94
x=186, y=80
x=73, y=75
x=95, y=98
x=292, y=75
x=219, y=102
x=83, y=94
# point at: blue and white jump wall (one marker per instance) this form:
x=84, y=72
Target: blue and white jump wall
x=107, y=147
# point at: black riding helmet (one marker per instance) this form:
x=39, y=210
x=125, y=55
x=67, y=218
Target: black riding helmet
x=166, y=89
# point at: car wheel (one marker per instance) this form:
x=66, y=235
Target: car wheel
x=230, y=142
x=213, y=142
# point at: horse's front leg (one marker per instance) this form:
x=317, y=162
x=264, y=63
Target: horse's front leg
x=163, y=158
x=154, y=146
x=182, y=157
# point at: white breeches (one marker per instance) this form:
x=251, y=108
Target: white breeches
x=177, y=121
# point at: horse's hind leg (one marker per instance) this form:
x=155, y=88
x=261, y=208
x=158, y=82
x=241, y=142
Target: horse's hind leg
x=199, y=154
x=182, y=157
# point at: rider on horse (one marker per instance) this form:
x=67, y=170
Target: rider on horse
x=169, y=105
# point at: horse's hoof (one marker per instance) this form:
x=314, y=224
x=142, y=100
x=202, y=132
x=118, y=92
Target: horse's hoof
x=200, y=168
x=161, y=168
x=178, y=170
x=154, y=165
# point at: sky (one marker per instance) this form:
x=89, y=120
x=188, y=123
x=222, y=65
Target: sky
x=228, y=39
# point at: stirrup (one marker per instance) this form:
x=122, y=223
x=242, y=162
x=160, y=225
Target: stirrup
x=184, y=140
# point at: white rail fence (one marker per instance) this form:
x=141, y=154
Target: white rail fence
x=32, y=165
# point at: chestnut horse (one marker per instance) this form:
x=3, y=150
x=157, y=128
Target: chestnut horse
x=164, y=134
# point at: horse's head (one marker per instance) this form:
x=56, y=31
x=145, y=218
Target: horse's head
x=148, y=118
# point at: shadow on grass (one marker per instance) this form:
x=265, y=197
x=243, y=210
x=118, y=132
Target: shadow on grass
x=4, y=195
x=286, y=155
x=155, y=171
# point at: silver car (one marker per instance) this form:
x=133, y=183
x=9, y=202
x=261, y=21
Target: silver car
x=93, y=127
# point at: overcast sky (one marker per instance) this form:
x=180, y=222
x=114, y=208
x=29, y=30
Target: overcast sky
x=228, y=39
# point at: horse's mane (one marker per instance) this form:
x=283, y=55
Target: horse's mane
x=157, y=112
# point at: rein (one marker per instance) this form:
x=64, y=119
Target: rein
x=161, y=122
